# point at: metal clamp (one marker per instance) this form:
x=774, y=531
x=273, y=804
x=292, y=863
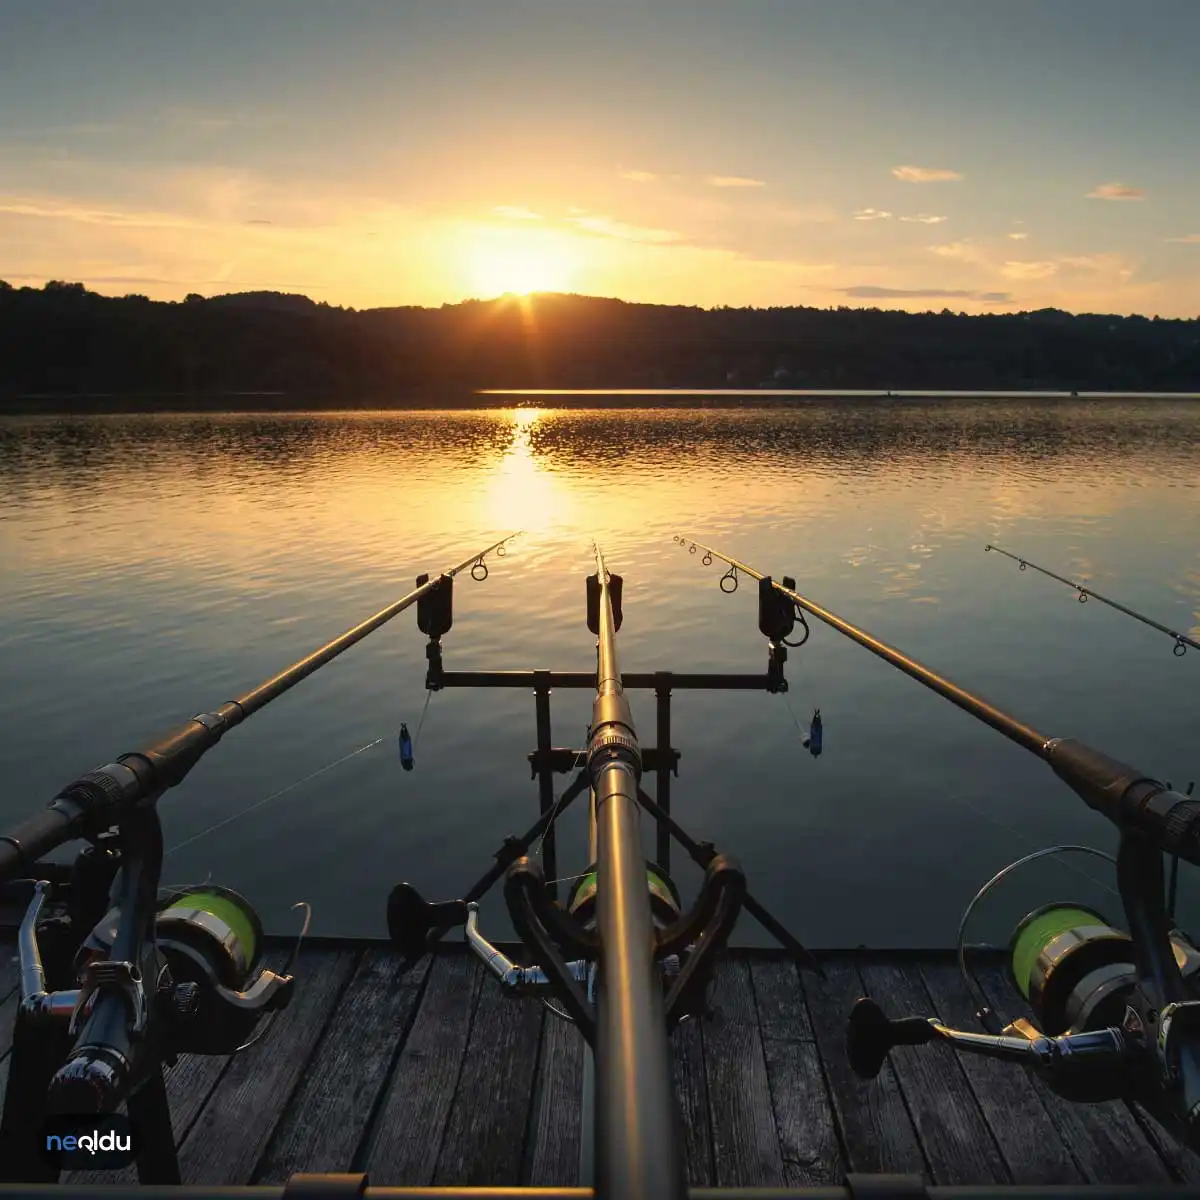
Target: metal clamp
x=125, y=977
x=325, y=1187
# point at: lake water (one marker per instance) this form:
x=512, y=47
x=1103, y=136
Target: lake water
x=156, y=566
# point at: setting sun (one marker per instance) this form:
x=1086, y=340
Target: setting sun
x=519, y=261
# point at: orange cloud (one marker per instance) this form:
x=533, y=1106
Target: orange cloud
x=734, y=181
x=1116, y=191
x=912, y=174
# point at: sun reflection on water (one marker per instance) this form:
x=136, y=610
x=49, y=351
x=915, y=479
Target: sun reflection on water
x=521, y=493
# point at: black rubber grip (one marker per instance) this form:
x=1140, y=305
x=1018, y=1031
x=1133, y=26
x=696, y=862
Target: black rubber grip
x=1181, y=829
x=92, y=790
x=30, y=840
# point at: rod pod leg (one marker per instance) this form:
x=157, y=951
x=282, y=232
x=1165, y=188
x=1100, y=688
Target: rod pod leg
x=37, y=1053
x=150, y=1115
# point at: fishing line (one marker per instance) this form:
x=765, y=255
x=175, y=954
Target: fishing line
x=567, y=878
x=795, y=720
x=273, y=796
x=554, y=811
x=421, y=722
x=1021, y=838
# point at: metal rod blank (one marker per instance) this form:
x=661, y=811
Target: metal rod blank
x=1013, y=729
x=638, y=1149
x=278, y=684
x=1182, y=641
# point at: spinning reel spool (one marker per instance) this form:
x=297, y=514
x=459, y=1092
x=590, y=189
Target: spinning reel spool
x=209, y=935
x=1073, y=966
x=665, y=904
x=209, y=940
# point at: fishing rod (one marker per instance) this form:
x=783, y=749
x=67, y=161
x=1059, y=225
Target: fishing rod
x=621, y=959
x=95, y=799
x=157, y=974
x=1118, y=1017
x=638, y=1144
x=1182, y=641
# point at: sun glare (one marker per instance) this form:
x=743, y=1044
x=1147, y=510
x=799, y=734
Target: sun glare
x=522, y=493
x=518, y=261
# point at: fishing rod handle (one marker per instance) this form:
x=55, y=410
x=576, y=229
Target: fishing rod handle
x=91, y=801
x=1131, y=800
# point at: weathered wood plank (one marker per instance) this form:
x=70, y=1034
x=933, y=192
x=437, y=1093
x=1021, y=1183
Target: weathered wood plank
x=490, y=1114
x=1030, y=1142
x=8, y=1017
x=328, y=1117
x=227, y=1139
x=876, y=1129
x=956, y=1139
x=411, y=1123
x=1105, y=1140
x=746, y=1150
x=782, y=1012
x=803, y=1110
x=1183, y=1163
x=10, y=973
x=691, y=1092
x=556, y=1130
x=10, y=992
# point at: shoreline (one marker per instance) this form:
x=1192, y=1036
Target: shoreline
x=432, y=400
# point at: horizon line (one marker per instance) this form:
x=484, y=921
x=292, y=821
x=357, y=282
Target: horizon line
x=511, y=297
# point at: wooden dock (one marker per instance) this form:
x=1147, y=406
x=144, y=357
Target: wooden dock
x=432, y=1076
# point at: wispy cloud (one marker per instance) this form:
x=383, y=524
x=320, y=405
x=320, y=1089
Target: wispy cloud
x=514, y=212
x=1040, y=269
x=639, y=176
x=57, y=210
x=871, y=214
x=606, y=227
x=1017, y=236
x=1116, y=191
x=924, y=219
x=1113, y=268
x=871, y=292
x=910, y=174
x=1188, y=239
x=963, y=251
x=734, y=181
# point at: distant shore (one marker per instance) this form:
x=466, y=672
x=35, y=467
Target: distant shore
x=628, y=398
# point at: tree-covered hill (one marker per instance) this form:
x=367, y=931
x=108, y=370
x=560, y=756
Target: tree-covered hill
x=63, y=339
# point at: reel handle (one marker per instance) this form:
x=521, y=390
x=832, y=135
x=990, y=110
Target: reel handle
x=871, y=1034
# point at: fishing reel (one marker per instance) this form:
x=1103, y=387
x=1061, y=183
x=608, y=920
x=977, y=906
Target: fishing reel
x=1092, y=1026
x=211, y=941
x=580, y=911
x=198, y=982
x=564, y=939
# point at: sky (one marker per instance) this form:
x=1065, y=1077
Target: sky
x=918, y=154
